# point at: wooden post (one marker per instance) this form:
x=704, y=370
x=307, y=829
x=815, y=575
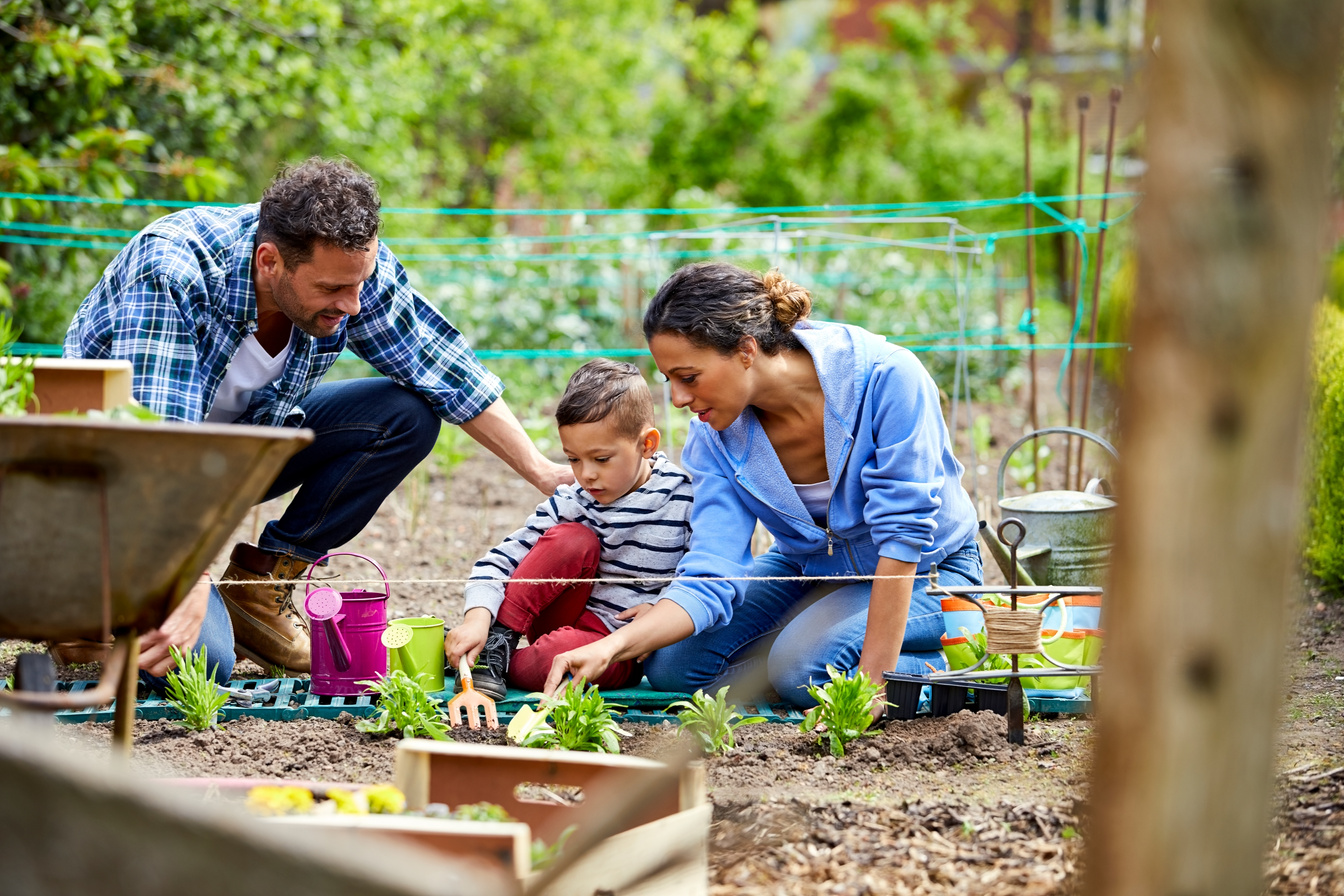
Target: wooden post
x=1241, y=99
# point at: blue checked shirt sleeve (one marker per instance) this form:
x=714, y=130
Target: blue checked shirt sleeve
x=407, y=340
x=141, y=311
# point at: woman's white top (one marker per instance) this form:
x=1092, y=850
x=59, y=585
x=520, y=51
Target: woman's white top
x=252, y=368
x=816, y=497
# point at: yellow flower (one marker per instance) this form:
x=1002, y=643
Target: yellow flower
x=270, y=800
x=385, y=800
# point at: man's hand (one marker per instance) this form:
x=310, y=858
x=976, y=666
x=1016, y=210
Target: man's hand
x=181, y=629
x=468, y=638
x=500, y=432
x=552, y=476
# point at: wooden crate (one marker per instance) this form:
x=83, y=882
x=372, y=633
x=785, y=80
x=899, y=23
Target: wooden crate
x=659, y=820
x=496, y=844
x=71, y=384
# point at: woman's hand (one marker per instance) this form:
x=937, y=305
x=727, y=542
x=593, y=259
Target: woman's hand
x=650, y=627
x=586, y=663
x=888, y=611
x=468, y=638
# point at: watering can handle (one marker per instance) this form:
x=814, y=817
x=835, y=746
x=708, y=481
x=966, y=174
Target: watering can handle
x=308, y=586
x=1071, y=430
x=340, y=652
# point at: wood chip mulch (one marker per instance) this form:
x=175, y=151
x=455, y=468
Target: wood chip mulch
x=1307, y=855
x=922, y=848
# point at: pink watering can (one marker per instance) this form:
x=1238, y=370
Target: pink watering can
x=347, y=632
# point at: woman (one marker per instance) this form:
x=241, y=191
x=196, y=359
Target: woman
x=835, y=442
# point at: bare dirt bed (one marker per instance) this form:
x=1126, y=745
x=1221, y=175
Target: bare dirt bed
x=928, y=806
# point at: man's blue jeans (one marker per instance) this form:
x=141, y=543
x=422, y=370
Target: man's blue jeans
x=370, y=434
x=796, y=628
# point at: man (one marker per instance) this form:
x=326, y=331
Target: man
x=232, y=315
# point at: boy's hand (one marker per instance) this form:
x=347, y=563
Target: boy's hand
x=468, y=638
x=634, y=612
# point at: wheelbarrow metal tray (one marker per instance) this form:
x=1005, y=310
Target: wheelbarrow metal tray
x=171, y=495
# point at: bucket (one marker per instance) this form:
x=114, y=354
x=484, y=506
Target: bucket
x=1068, y=533
x=347, y=648
x=423, y=655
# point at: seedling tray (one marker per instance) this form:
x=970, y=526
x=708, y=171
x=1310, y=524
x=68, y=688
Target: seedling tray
x=294, y=700
x=951, y=696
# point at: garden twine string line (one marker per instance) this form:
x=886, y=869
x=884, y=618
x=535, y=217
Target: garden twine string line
x=1012, y=631
x=620, y=581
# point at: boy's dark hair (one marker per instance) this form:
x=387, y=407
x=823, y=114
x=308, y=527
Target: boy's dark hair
x=603, y=388
x=320, y=201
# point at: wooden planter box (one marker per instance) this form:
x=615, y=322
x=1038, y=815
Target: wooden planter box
x=660, y=820
x=71, y=384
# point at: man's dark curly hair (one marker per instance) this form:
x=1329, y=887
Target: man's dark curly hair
x=319, y=201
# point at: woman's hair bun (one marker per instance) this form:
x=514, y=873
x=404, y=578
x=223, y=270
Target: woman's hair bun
x=792, y=302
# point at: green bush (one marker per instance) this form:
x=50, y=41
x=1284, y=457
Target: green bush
x=1325, y=532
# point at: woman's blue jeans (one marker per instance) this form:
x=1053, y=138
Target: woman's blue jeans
x=369, y=435
x=797, y=628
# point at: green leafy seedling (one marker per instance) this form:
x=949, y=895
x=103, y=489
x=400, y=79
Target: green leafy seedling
x=543, y=855
x=995, y=662
x=481, y=812
x=16, y=373
x=711, y=720
x=843, y=708
x=576, y=718
x=404, y=705
x=192, y=691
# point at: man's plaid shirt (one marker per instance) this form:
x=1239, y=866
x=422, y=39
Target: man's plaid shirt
x=179, y=299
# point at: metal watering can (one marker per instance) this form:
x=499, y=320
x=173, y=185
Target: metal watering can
x=346, y=634
x=1070, y=531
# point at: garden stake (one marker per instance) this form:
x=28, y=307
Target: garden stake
x=1075, y=294
x=470, y=700
x=1030, y=194
x=1096, y=279
x=1017, y=734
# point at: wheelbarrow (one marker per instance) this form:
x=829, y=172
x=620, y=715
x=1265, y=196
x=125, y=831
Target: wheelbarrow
x=105, y=526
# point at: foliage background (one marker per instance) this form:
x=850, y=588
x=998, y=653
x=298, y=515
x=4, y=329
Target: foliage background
x=1325, y=533
x=536, y=104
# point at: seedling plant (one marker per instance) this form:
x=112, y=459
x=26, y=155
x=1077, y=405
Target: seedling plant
x=192, y=691
x=405, y=706
x=711, y=720
x=843, y=708
x=576, y=718
x=994, y=662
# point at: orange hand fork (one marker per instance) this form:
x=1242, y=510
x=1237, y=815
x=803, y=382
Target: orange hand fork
x=470, y=700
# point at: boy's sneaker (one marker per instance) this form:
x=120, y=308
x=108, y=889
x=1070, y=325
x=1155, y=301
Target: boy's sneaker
x=487, y=675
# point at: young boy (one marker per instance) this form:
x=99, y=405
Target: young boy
x=626, y=516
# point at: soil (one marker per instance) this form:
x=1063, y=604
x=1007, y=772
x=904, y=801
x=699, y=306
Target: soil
x=927, y=806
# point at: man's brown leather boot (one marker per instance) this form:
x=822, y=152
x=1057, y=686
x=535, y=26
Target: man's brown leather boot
x=267, y=629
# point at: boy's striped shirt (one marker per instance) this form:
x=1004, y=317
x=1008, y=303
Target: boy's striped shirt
x=643, y=533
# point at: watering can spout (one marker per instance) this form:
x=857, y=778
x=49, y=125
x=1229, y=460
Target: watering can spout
x=1000, y=555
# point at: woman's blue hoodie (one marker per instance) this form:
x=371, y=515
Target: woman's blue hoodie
x=897, y=487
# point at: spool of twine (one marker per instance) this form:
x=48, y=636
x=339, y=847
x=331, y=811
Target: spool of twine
x=1009, y=631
